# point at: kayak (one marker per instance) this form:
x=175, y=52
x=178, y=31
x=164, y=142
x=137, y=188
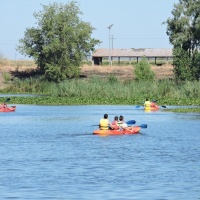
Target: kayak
x=135, y=129
x=8, y=109
x=151, y=108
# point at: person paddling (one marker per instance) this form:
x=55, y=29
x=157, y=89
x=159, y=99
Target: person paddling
x=147, y=104
x=4, y=105
x=124, y=125
x=104, y=123
x=153, y=104
x=115, y=125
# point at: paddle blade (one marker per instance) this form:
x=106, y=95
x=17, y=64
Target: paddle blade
x=143, y=126
x=8, y=99
x=137, y=106
x=163, y=106
x=131, y=122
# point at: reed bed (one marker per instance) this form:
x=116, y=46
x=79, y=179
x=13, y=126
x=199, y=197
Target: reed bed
x=110, y=91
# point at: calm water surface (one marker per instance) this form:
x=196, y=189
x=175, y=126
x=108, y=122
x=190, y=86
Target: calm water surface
x=49, y=152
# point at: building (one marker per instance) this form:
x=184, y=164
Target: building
x=130, y=54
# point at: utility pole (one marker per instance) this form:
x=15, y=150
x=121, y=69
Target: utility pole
x=109, y=27
x=112, y=38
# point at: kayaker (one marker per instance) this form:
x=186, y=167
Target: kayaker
x=4, y=105
x=104, y=123
x=153, y=104
x=123, y=125
x=147, y=104
x=115, y=123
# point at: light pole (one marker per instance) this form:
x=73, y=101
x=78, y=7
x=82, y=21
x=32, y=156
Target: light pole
x=109, y=27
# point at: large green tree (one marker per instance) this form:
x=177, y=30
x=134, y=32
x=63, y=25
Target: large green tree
x=183, y=29
x=59, y=42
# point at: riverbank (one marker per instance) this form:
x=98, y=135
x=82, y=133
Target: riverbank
x=102, y=85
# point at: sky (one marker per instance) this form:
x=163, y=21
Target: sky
x=136, y=23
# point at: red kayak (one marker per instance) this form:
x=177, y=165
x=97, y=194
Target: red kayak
x=8, y=109
x=135, y=129
x=152, y=108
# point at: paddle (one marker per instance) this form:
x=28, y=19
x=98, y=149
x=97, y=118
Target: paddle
x=4, y=103
x=131, y=122
x=143, y=126
x=7, y=100
x=160, y=106
x=128, y=122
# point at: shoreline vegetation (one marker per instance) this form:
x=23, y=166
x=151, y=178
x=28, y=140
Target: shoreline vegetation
x=98, y=85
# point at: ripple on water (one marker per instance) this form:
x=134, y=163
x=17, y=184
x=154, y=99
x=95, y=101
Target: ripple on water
x=52, y=154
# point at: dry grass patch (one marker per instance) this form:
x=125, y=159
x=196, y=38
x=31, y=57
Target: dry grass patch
x=125, y=72
x=121, y=72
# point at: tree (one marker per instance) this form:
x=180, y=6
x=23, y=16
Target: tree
x=59, y=42
x=143, y=71
x=182, y=64
x=183, y=30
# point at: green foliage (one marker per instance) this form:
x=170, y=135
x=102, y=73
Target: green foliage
x=53, y=73
x=195, y=65
x=186, y=67
x=184, y=34
x=61, y=40
x=112, y=79
x=6, y=77
x=73, y=71
x=75, y=100
x=182, y=64
x=107, y=91
x=143, y=71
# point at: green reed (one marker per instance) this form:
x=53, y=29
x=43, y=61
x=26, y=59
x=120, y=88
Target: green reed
x=110, y=90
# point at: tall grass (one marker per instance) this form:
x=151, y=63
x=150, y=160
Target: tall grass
x=109, y=90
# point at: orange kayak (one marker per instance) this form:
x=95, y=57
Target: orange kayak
x=135, y=129
x=8, y=109
x=152, y=108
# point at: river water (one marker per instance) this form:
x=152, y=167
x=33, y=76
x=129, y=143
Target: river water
x=49, y=152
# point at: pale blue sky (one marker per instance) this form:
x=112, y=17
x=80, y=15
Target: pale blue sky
x=136, y=23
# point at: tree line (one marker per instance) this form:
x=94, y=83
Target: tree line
x=183, y=30
x=61, y=40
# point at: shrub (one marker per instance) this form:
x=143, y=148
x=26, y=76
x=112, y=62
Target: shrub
x=143, y=71
x=6, y=77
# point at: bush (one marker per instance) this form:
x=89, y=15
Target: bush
x=6, y=77
x=143, y=71
x=54, y=73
